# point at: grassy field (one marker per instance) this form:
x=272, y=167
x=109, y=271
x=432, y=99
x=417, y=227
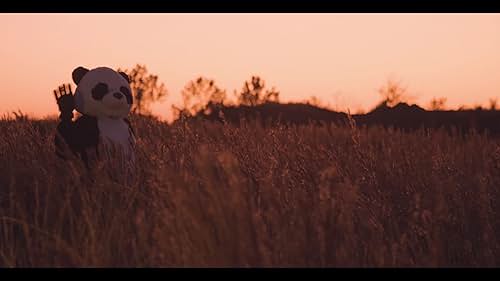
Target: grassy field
x=207, y=194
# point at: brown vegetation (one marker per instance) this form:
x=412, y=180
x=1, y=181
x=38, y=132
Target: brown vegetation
x=209, y=194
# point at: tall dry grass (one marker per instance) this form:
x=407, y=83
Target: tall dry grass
x=207, y=194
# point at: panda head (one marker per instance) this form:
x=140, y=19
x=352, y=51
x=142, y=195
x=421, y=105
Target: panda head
x=102, y=92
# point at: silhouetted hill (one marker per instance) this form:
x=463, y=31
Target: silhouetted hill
x=406, y=117
x=402, y=116
x=294, y=113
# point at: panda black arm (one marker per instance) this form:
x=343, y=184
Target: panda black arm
x=77, y=135
x=65, y=135
x=65, y=128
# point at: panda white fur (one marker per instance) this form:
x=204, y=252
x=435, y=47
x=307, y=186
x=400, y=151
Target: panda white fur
x=103, y=97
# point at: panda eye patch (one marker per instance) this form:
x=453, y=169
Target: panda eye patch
x=99, y=91
x=127, y=94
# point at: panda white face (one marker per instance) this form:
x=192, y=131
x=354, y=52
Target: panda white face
x=102, y=92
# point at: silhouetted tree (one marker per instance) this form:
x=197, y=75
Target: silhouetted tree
x=314, y=101
x=145, y=87
x=200, y=95
x=437, y=103
x=254, y=93
x=493, y=103
x=393, y=93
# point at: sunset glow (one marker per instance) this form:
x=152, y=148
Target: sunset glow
x=340, y=58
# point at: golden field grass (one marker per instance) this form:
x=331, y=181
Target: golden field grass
x=214, y=195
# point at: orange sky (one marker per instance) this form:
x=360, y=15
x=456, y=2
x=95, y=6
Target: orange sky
x=341, y=58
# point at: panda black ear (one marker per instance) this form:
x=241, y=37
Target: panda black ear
x=124, y=76
x=78, y=74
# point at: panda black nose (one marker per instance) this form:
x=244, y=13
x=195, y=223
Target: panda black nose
x=118, y=95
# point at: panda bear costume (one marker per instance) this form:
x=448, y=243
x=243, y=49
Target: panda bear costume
x=103, y=97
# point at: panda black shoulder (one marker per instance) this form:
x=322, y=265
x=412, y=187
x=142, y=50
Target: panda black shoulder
x=88, y=131
x=87, y=120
